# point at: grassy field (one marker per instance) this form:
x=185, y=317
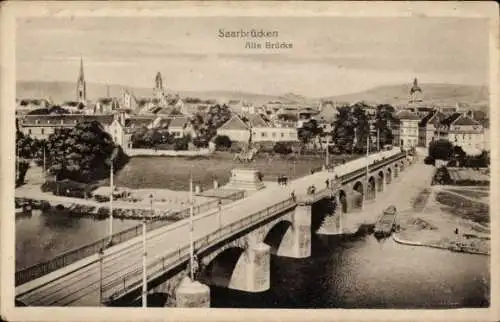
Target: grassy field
x=173, y=173
x=464, y=208
x=421, y=200
x=471, y=193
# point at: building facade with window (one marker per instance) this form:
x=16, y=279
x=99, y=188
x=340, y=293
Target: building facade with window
x=42, y=126
x=465, y=132
x=405, y=130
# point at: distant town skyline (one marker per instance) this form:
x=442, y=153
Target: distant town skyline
x=329, y=55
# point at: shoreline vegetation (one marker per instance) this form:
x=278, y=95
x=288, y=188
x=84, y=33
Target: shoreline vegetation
x=445, y=220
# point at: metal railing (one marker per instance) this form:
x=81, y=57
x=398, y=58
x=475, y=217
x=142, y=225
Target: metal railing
x=362, y=171
x=38, y=270
x=133, y=279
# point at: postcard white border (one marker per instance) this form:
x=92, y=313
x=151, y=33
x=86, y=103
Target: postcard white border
x=11, y=10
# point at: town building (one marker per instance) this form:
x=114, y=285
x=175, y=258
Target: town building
x=405, y=130
x=429, y=128
x=124, y=126
x=24, y=106
x=240, y=129
x=180, y=127
x=42, y=126
x=465, y=132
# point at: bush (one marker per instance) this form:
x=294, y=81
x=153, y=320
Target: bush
x=442, y=176
x=68, y=188
x=441, y=150
x=429, y=160
x=282, y=148
x=222, y=142
x=181, y=144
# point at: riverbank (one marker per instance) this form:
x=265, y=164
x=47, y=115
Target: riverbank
x=166, y=204
x=431, y=226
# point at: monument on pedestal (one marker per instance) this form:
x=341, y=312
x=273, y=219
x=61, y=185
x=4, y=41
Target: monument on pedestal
x=245, y=179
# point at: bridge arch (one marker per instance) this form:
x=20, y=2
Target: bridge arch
x=380, y=181
x=220, y=270
x=277, y=235
x=359, y=192
x=388, y=175
x=371, y=188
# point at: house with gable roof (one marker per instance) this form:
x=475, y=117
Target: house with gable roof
x=236, y=129
x=180, y=127
x=465, y=132
x=429, y=128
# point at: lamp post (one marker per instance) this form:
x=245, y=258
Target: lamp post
x=327, y=157
x=111, y=187
x=191, y=246
x=144, y=257
x=101, y=254
x=219, y=204
x=367, y=164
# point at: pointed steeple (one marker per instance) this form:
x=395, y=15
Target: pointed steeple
x=81, y=76
x=81, y=90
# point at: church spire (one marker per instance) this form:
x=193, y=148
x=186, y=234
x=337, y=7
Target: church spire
x=81, y=77
x=415, y=92
x=81, y=90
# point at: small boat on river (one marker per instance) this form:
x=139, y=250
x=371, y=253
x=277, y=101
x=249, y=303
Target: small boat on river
x=386, y=223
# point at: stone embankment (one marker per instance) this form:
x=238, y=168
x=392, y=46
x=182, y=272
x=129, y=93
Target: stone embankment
x=451, y=246
x=95, y=211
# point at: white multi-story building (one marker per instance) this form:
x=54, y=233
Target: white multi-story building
x=465, y=132
x=405, y=131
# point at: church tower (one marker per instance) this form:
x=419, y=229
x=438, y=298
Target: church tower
x=81, y=88
x=159, y=90
x=415, y=92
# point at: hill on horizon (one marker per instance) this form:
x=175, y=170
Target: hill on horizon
x=439, y=94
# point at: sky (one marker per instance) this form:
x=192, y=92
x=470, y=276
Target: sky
x=330, y=55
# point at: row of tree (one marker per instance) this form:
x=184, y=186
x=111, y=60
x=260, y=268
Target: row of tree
x=83, y=153
x=352, y=127
x=455, y=155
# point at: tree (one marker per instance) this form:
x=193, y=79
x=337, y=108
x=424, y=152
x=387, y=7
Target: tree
x=138, y=137
x=308, y=131
x=362, y=126
x=343, y=130
x=282, y=148
x=440, y=149
x=222, y=142
x=206, y=127
x=81, y=153
x=383, y=120
x=24, y=154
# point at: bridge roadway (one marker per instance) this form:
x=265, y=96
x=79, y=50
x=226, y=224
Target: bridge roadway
x=79, y=284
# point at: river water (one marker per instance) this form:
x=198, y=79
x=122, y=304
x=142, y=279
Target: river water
x=361, y=272
x=342, y=272
x=43, y=236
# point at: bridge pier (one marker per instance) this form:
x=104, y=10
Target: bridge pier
x=297, y=241
x=191, y=293
x=332, y=224
x=252, y=272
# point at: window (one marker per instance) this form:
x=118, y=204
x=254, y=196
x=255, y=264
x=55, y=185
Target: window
x=263, y=134
x=282, y=134
x=274, y=134
x=37, y=121
x=48, y=121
